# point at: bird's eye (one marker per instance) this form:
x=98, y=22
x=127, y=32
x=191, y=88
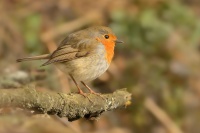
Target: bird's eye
x=106, y=36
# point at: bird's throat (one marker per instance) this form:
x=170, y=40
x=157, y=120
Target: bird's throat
x=109, y=51
x=109, y=48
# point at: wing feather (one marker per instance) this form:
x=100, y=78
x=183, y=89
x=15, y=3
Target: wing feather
x=71, y=48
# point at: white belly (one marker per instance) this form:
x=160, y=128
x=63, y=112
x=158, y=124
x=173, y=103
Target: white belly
x=85, y=68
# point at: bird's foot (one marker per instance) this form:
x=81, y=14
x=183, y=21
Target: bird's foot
x=93, y=92
x=83, y=94
x=98, y=94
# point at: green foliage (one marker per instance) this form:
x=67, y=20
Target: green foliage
x=146, y=33
x=31, y=29
x=149, y=28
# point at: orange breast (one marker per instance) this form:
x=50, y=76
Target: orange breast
x=109, y=47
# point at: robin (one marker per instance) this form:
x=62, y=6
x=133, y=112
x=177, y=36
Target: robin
x=84, y=55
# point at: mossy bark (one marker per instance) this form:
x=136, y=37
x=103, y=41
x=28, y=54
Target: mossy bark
x=72, y=106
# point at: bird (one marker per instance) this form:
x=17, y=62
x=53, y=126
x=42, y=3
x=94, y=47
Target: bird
x=84, y=55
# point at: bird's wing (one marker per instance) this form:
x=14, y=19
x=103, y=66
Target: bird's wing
x=70, y=48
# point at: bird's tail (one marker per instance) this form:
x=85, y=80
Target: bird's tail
x=39, y=57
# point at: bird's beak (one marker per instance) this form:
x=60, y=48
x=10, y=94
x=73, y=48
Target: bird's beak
x=118, y=41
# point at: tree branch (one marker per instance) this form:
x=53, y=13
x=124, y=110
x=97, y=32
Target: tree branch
x=72, y=106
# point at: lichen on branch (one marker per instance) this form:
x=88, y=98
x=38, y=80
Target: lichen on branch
x=73, y=106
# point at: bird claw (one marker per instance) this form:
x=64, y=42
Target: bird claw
x=83, y=94
x=98, y=94
x=91, y=92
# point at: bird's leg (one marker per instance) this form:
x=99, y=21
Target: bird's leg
x=79, y=90
x=91, y=91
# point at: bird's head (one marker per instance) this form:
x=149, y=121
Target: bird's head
x=105, y=36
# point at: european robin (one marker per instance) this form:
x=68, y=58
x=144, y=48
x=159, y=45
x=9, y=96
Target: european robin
x=84, y=55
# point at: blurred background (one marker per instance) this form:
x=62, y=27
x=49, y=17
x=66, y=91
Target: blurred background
x=158, y=63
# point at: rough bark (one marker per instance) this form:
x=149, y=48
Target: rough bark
x=72, y=106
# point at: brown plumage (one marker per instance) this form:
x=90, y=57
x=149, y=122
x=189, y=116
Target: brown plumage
x=84, y=55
